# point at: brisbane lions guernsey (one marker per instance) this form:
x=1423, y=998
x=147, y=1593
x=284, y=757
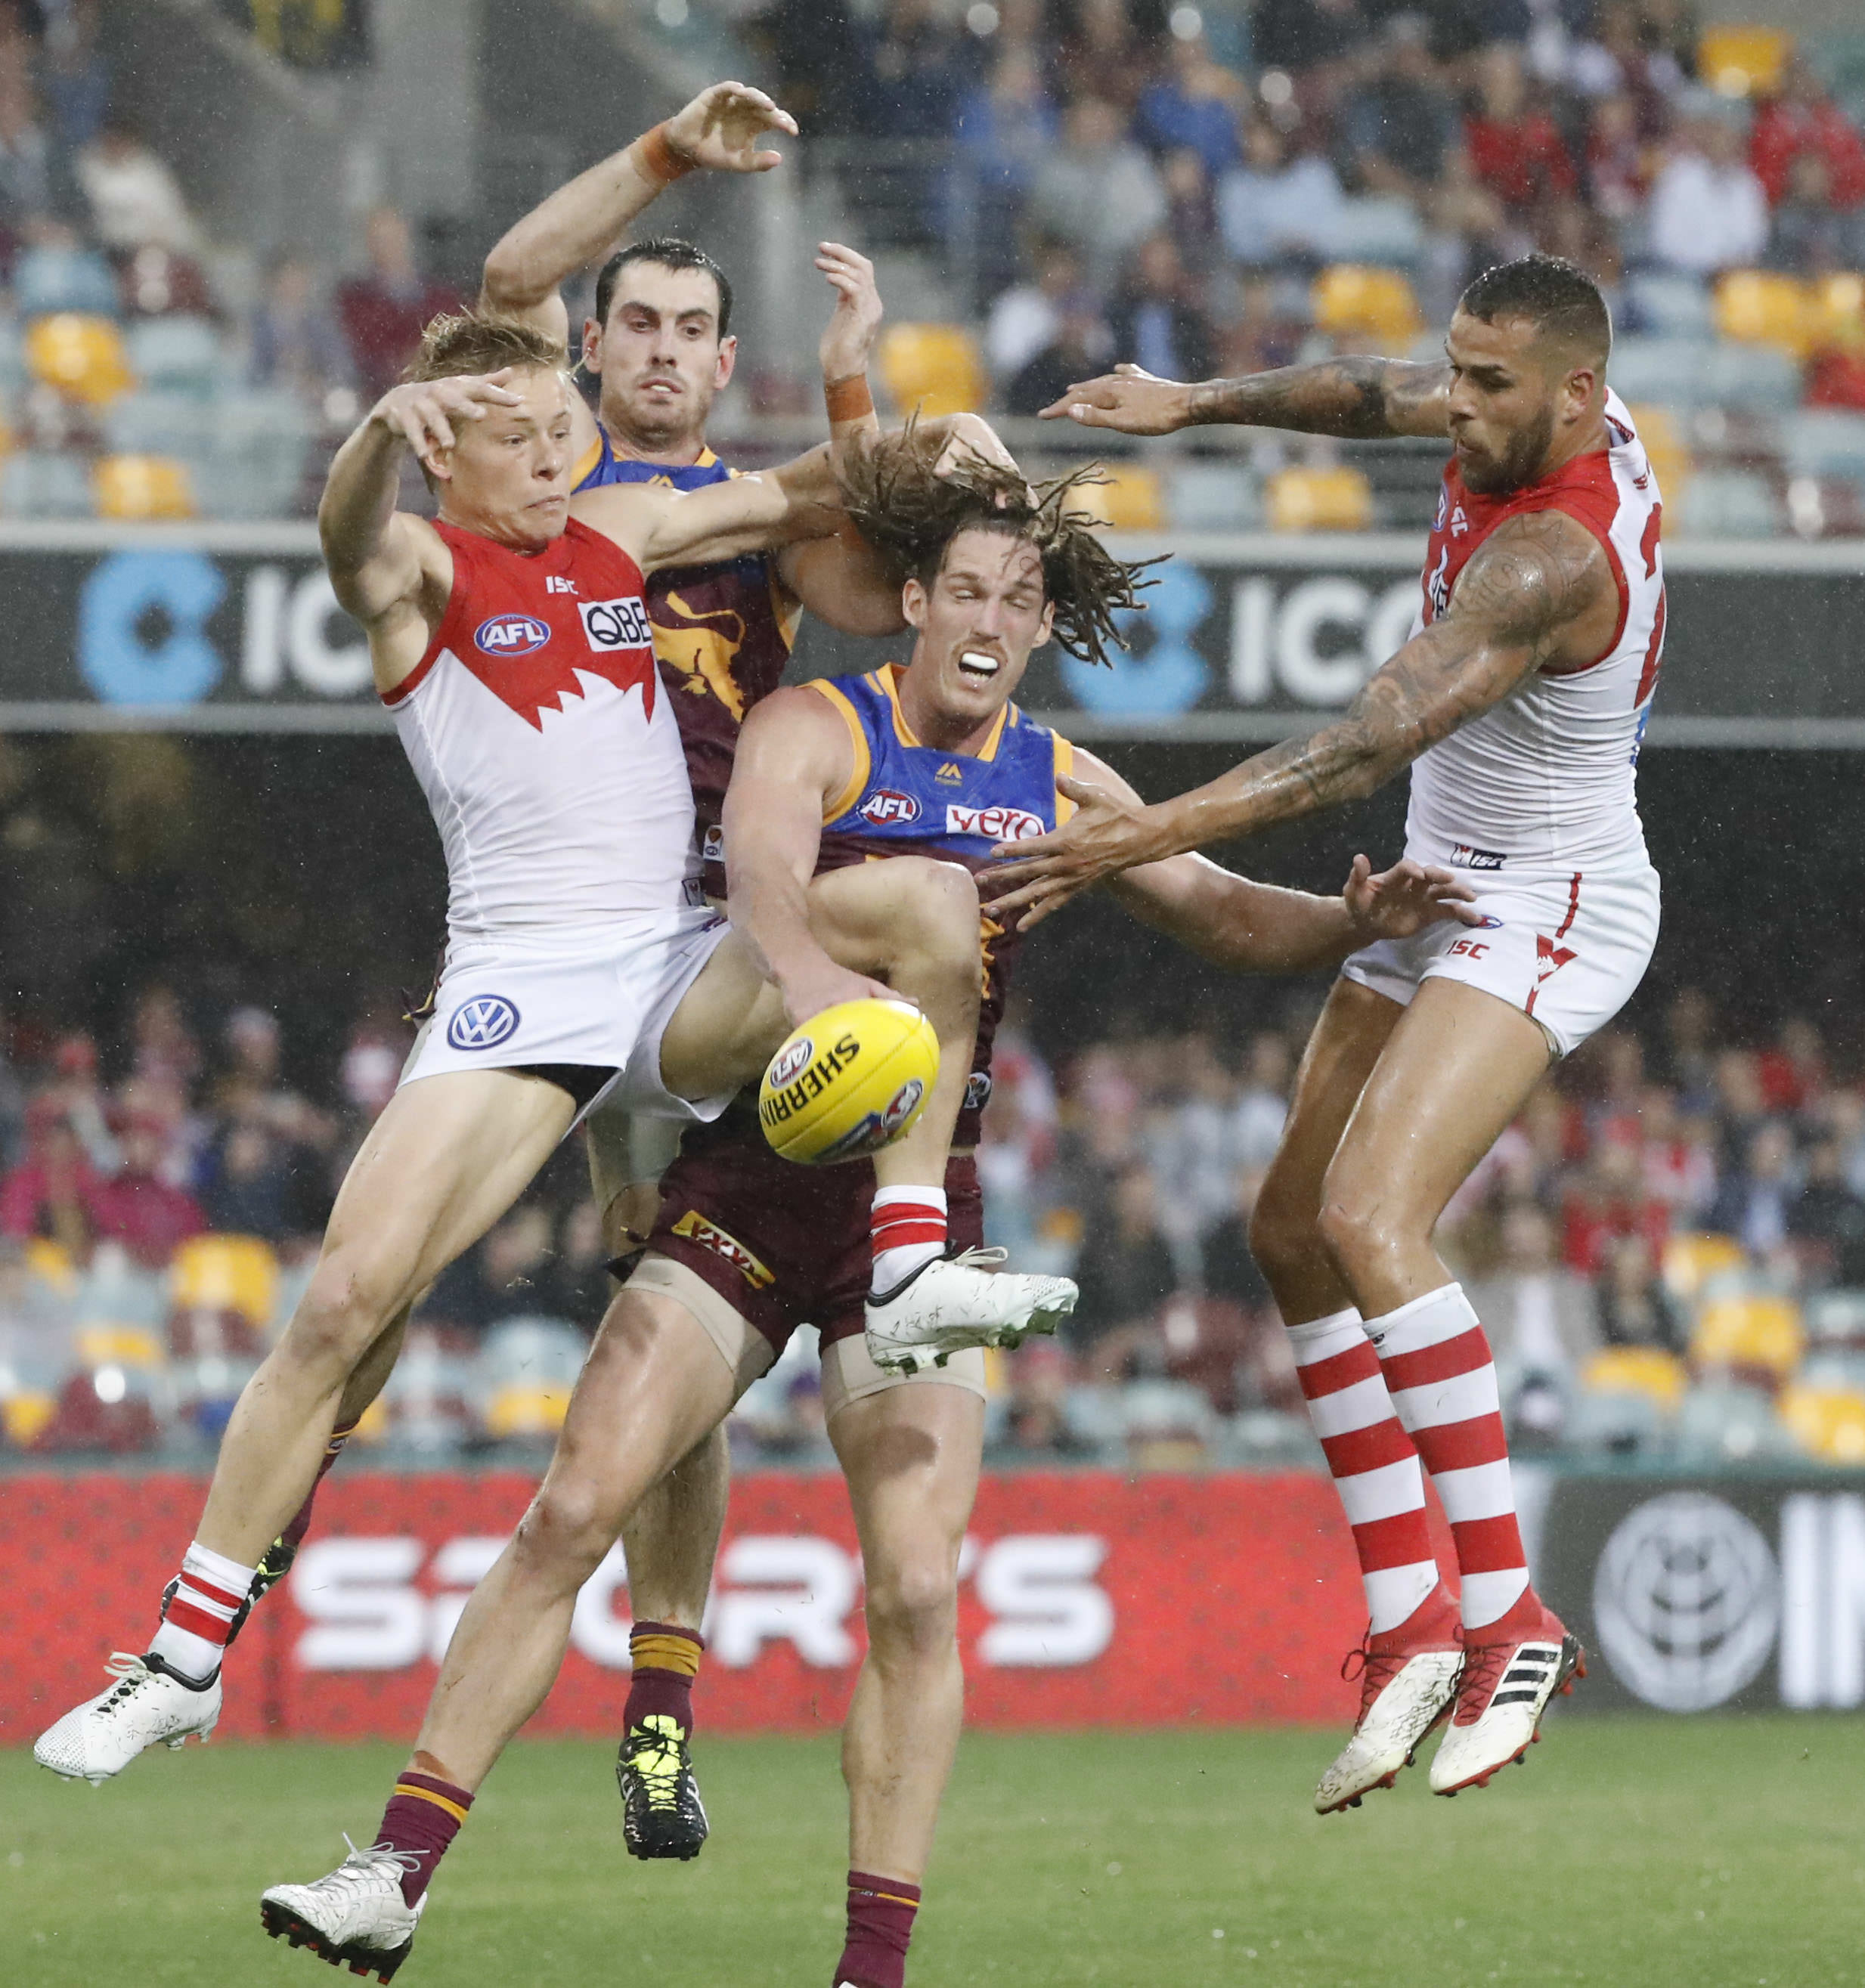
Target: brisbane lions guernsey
x=723, y=635
x=538, y=730
x=904, y=798
x=1546, y=778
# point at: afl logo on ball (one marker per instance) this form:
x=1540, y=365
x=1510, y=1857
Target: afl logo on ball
x=791, y=1064
x=483, y=1023
x=511, y=634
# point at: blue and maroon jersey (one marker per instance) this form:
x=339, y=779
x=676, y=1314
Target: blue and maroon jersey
x=723, y=635
x=904, y=798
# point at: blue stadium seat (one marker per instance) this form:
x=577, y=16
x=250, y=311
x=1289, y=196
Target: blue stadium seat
x=177, y=355
x=1378, y=229
x=1668, y=304
x=47, y=280
x=155, y=422
x=1751, y=379
x=40, y=484
x=1723, y=1423
x=1623, y=1423
x=1824, y=443
x=1727, y=504
x=1666, y=372
x=1213, y=497
x=534, y=1349
x=260, y=446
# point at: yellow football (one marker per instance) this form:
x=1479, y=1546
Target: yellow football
x=850, y=1081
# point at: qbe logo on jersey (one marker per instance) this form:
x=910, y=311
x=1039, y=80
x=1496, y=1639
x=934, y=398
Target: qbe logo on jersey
x=617, y=624
x=483, y=1023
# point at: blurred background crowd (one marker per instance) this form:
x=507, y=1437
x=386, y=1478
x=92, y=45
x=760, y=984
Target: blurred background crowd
x=1668, y=1249
x=1048, y=185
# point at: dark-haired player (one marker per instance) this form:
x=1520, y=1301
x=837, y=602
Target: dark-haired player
x=1518, y=702
x=748, y=1246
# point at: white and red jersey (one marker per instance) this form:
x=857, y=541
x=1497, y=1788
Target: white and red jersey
x=535, y=725
x=1546, y=778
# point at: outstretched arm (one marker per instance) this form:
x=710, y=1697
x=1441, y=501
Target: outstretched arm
x=1360, y=399
x=720, y=129
x=1252, y=927
x=793, y=756
x=1539, y=594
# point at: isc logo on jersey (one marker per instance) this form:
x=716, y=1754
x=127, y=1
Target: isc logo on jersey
x=884, y=806
x=995, y=824
x=511, y=635
x=617, y=624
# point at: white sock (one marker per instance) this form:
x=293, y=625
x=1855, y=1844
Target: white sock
x=194, y=1633
x=908, y=1229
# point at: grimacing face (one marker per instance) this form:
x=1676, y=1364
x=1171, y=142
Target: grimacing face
x=1511, y=391
x=507, y=475
x=986, y=610
x=659, y=355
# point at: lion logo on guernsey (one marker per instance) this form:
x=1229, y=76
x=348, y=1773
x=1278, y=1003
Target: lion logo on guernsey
x=483, y=1023
x=511, y=635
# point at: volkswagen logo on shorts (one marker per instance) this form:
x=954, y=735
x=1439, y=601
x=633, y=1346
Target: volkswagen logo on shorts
x=511, y=635
x=483, y=1023
x=1686, y=1599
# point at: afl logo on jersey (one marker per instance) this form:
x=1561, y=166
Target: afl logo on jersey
x=483, y=1023
x=884, y=806
x=617, y=624
x=511, y=635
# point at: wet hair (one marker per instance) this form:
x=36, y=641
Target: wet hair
x=464, y=342
x=1555, y=296
x=910, y=513
x=665, y=252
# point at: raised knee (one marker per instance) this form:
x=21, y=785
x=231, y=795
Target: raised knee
x=566, y=1531
x=914, y=1607
x=1358, y=1234
x=939, y=901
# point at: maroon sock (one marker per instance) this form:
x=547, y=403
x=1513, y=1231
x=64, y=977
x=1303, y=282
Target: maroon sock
x=880, y=1924
x=294, y=1532
x=666, y=1661
x=424, y=1816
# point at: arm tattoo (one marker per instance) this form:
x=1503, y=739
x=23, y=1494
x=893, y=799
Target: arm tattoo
x=1522, y=592
x=1358, y=399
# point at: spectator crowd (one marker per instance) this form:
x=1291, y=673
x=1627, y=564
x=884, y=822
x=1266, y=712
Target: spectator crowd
x=1668, y=1249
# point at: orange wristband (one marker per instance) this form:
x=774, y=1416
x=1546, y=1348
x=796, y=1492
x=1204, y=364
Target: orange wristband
x=847, y=399
x=659, y=159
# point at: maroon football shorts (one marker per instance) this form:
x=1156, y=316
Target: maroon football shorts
x=785, y=1245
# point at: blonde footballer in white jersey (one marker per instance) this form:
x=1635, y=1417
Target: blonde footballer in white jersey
x=1518, y=702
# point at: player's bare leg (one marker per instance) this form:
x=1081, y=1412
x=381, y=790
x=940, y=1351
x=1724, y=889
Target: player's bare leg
x=912, y=923
x=670, y=1542
x=910, y=1455
x=1458, y=1069
x=448, y=1156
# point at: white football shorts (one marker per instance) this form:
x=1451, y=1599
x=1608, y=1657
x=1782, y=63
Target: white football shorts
x=1568, y=948
x=601, y=1000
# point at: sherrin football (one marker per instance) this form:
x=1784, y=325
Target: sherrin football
x=850, y=1081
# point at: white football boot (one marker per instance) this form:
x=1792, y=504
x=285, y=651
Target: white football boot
x=356, y=1918
x=1408, y=1685
x=147, y=1704
x=1508, y=1679
x=951, y=1302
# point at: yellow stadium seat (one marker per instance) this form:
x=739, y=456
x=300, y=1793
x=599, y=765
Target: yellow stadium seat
x=1827, y=1422
x=1743, y=59
x=1319, y=500
x=1131, y=500
x=81, y=356
x=102, y=1344
x=1659, y=430
x=24, y=1414
x=374, y=1425
x=1757, y=1332
x=1761, y=307
x=1360, y=299
x=519, y=1408
x=936, y=368
x=1692, y=1261
x=1838, y=310
x=226, y=1273
x=50, y=1260
x=1638, y=1370
x=137, y=487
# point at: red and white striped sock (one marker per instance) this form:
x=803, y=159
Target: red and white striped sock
x=908, y=1229
x=193, y=1631
x=1437, y=1362
x=1376, y=1467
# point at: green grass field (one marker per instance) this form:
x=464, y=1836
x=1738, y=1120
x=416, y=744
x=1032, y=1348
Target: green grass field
x=1640, y=1854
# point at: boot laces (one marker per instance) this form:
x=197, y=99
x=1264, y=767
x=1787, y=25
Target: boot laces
x=1374, y=1670
x=1484, y=1664
x=657, y=1759
x=356, y=1869
x=131, y=1672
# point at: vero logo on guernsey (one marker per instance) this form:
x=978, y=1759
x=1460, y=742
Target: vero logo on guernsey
x=511, y=635
x=995, y=824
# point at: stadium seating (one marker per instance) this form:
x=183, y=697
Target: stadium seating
x=1213, y=497
x=1693, y=1262
x=177, y=355
x=1663, y=435
x=1378, y=229
x=1828, y=1423
x=1663, y=372
x=1835, y=1318
x=1750, y=1334
x=936, y=368
x=1723, y=1422
x=1822, y=442
x=1667, y=303
x=1762, y=307
x=142, y=488
x=49, y=280
x=1356, y=300
x=1726, y=504
x=1131, y=499
x=1751, y=379
x=1622, y=1422
x=1743, y=59
x=236, y=1273
x=1338, y=499
x=80, y=355
x=1638, y=1370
